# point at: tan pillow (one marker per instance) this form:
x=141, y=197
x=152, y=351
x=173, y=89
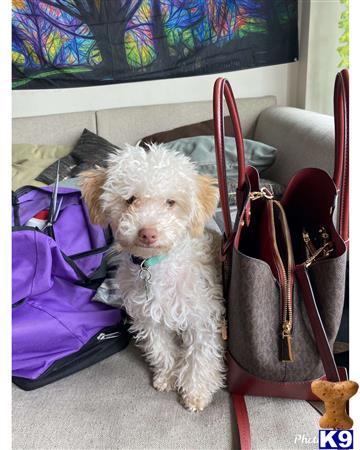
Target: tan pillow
x=28, y=160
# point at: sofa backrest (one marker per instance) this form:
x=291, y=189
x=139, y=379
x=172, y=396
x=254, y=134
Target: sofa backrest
x=302, y=138
x=128, y=125
x=62, y=129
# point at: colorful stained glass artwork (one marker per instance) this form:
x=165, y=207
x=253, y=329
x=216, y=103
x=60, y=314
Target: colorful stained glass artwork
x=69, y=43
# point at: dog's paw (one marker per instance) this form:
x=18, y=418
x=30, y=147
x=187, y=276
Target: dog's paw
x=195, y=403
x=163, y=384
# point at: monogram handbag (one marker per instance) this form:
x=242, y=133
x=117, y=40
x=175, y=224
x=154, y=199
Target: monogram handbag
x=284, y=265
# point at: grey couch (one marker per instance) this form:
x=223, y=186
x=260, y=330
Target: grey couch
x=112, y=404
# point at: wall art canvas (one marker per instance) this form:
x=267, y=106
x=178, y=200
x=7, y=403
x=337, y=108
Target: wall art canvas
x=71, y=43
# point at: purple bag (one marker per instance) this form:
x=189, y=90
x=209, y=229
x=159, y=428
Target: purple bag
x=57, y=329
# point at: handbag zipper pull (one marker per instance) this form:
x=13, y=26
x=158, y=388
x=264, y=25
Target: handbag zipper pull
x=286, y=343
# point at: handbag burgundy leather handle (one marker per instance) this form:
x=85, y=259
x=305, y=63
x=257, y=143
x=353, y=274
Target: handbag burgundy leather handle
x=344, y=199
x=339, y=122
x=223, y=89
x=341, y=171
x=341, y=166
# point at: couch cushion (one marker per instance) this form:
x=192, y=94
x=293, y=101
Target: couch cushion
x=129, y=125
x=303, y=139
x=112, y=405
x=62, y=129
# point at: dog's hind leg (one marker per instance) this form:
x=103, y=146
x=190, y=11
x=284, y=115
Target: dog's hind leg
x=161, y=350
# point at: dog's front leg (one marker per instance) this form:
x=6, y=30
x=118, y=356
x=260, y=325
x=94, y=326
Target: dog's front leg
x=161, y=350
x=201, y=372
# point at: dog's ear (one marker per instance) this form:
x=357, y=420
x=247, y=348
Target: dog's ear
x=206, y=203
x=91, y=185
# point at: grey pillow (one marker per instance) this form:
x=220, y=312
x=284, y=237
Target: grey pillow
x=90, y=150
x=201, y=149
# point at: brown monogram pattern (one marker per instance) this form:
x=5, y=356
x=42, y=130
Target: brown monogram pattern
x=254, y=318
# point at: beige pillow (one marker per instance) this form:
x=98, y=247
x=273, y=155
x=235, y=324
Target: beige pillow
x=29, y=160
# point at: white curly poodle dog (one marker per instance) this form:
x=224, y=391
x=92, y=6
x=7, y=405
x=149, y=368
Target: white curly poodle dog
x=169, y=276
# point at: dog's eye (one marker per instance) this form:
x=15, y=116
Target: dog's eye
x=170, y=203
x=131, y=200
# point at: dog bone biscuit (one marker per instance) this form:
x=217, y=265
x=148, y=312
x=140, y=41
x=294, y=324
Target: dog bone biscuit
x=335, y=396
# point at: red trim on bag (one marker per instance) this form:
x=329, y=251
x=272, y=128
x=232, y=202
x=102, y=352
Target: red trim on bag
x=42, y=215
x=242, y=382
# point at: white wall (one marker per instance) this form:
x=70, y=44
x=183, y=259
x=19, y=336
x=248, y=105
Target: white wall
x=323, y=58
x=280, y=80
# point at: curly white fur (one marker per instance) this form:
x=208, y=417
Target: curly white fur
x=178, y=322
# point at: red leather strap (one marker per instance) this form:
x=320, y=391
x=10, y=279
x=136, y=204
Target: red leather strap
x=242, y=382
x=242, y=420
x=344, y=196
x=339, y=122
x=223, y=89
x=341, y=167
x=317, y=326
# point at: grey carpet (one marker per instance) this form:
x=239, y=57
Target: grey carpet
x=112, y=405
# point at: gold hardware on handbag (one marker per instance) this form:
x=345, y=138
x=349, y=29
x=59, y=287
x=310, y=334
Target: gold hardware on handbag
x=314, y=252
x=263, y=193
